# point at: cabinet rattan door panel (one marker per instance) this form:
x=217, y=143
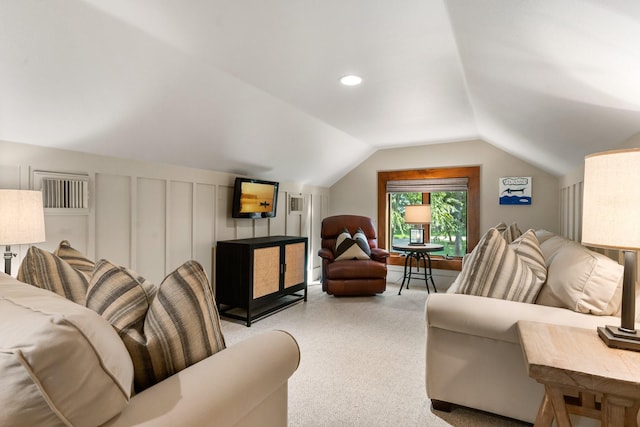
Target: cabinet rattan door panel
x=266, y=271
x=294, y=257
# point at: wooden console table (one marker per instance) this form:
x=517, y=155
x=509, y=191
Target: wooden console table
x=574, y=361
x=259, y=276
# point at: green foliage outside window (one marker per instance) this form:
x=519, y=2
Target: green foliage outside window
x=400, y=229
x=448, y=219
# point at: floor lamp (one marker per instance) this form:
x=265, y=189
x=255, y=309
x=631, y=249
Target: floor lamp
x=611, y=219
x=21, y=221
x=417, y=214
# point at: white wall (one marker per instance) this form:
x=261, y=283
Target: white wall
x=152, y=217
x=356, y=192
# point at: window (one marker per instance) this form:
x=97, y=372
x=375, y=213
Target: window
x=453, y=194
x=448, y=225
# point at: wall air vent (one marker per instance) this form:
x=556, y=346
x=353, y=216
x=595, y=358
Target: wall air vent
x=63, y=193
x=296, y=204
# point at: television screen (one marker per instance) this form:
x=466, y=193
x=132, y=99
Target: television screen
x=254, y=198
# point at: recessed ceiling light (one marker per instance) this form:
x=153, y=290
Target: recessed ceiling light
x=351, y=80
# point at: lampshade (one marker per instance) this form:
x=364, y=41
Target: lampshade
x=611, y=201
x=610, y=208
x=417, y=214
x=21, y=217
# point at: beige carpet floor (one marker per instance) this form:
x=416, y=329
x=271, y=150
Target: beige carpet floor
x=362, y=361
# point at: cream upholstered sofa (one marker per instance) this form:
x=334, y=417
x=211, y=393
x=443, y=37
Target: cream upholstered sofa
x=63, y=364
x=473, y=354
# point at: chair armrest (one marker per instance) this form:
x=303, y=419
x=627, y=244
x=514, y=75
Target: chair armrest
x=219, y=390
x=379, y=254
x=326, y=253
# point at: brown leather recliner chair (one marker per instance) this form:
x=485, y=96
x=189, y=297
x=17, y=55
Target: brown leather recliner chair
x=352, y=277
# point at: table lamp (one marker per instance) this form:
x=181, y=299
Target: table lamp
x=22, y=220
x=611, y=219
x=417, y=214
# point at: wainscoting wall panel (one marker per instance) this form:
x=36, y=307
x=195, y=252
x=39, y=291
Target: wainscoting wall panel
x=278, y=225
x=10, y=176
x=225, y=226
x=204, y=228
x=74, y=228
x=571, y=211
x=318, y=210
x=180, y=223
x=150, y=229
x=151, y=217
x=113, y=212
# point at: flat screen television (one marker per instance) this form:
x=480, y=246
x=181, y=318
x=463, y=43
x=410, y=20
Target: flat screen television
x=254, y=198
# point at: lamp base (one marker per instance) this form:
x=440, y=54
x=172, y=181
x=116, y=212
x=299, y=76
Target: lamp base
x=8, y=255
x=616, y=338
x=416, y=236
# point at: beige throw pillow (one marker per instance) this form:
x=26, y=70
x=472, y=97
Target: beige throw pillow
x=581, y=280
x=497, y=269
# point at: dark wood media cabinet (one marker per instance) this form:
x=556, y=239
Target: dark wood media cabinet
x=259, y=276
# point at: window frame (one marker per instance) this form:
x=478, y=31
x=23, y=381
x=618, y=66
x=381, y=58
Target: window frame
x=472, y=173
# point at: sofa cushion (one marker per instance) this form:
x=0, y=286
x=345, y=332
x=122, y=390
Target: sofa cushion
x=165, y=328
x=580, y=279
x=356, y=269
x=61, y=363
x=543, y=235
x=355, y=247
x=497, y=269
x=53, y=273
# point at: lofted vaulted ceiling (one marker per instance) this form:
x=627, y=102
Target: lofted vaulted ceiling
x=251, y=86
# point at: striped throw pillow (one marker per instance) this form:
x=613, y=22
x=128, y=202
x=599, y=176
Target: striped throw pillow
x=75, y=259
x=165, y=328
x=356, y=247
x=51, y=272
x=512, y=271
x=509, y=233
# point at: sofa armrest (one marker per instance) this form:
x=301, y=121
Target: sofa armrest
x=496, y=319
x=379, y=254
x=326, y=253
x=220, y=390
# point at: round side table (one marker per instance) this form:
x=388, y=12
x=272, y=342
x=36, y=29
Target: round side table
x=418, y=252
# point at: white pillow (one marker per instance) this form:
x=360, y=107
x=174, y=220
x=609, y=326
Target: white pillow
x=61, y=363
x=582, y=280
